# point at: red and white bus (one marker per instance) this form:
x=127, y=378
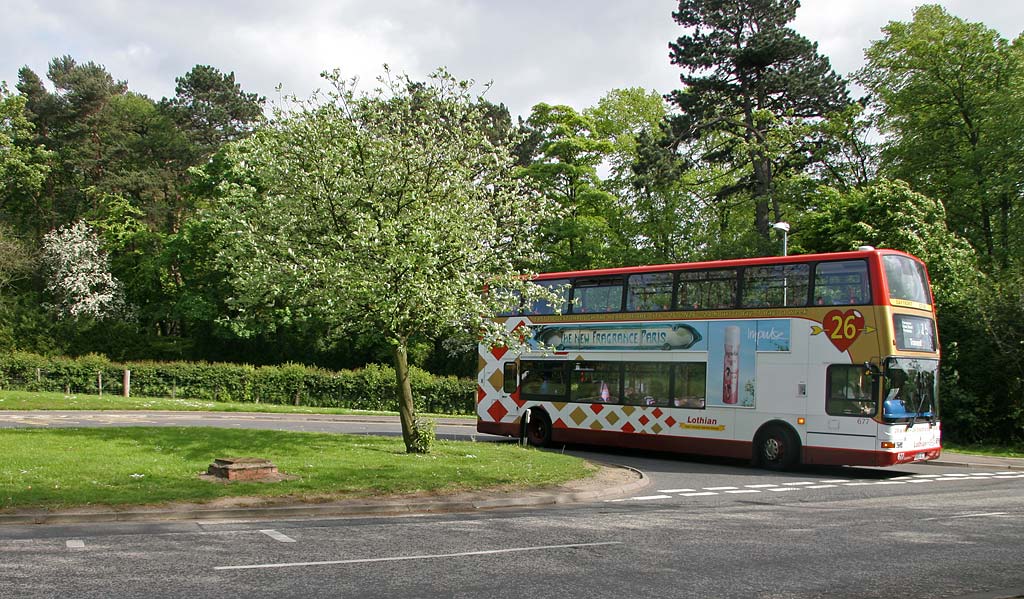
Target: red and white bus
x=813, y=359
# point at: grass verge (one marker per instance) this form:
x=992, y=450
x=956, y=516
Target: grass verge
x=31, y=400
x=63, y=468
x=1001, y=451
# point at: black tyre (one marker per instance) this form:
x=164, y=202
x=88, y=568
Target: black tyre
x=776, y=448
x=538, y=430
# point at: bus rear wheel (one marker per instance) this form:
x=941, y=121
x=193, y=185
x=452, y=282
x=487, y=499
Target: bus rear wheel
x=776, y=448
x=538, y=429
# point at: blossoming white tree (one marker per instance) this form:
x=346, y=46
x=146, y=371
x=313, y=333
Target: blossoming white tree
x=78, y=274
x=386, y=212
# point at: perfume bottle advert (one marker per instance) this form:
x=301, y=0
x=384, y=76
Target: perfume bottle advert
x=731, y=366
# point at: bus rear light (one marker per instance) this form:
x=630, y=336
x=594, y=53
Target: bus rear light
x=888, y=445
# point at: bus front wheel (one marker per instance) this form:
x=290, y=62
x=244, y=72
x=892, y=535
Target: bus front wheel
x=776, y=448
x=538, y=429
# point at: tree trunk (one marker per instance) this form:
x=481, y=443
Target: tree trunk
x=406, y=409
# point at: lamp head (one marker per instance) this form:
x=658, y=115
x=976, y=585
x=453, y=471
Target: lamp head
x=781, y=226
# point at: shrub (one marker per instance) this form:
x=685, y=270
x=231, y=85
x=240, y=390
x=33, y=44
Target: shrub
x=369, y=388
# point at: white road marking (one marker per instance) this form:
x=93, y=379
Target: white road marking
x=987, y=515
x=76, y=544
x=416, y=557
x=273, y=534
x=823, y=484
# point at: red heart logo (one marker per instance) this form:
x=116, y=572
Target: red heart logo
x=843, y=328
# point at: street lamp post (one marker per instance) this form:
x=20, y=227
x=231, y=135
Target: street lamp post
x=784, y=227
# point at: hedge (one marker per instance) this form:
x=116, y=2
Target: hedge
x=369, y=388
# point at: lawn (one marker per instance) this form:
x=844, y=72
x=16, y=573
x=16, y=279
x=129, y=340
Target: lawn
x=61, y=468
x=30, y=400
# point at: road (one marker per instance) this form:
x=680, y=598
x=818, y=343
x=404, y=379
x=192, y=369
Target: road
x=703, y=528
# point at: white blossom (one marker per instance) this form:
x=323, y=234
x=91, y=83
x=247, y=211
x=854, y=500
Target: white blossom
x=78, y=274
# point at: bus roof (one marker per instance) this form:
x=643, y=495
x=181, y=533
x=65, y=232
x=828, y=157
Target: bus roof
x=732, y=263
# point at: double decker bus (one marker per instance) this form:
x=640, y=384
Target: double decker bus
x=812, y=359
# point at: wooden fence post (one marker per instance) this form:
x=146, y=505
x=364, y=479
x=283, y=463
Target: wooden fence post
x=127, y=383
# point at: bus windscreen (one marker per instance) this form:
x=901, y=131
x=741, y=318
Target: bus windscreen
x=907, y=280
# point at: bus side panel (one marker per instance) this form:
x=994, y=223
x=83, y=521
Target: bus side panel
x=846, y=336
x=781, y=387
x=725, y=448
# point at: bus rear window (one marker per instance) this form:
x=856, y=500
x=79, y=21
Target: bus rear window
x=907, y=280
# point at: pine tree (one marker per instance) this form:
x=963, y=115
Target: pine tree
x=750, y=85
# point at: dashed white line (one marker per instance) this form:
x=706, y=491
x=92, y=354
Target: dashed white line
x=76, y=544
x=416, y=557
x=823, y=484
x=273, y=534
x=985, y=515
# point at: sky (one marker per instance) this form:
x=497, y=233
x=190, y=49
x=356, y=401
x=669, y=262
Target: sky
x=556, y=51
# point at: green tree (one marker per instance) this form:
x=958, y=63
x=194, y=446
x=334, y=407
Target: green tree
x=751, y=87
x=211, y=109
x=950, y=105
x=24, y=163
x=385, y=212
x=563, y=167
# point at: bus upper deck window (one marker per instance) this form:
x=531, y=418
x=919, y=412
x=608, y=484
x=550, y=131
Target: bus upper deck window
x=842, y=283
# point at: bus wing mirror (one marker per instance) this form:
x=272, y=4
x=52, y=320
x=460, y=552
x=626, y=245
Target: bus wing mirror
x=872, y=369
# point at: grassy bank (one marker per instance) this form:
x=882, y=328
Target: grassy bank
x=1002, y=451
x=59, y=468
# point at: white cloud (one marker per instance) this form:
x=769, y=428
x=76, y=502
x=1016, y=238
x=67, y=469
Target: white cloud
x=555, y=51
